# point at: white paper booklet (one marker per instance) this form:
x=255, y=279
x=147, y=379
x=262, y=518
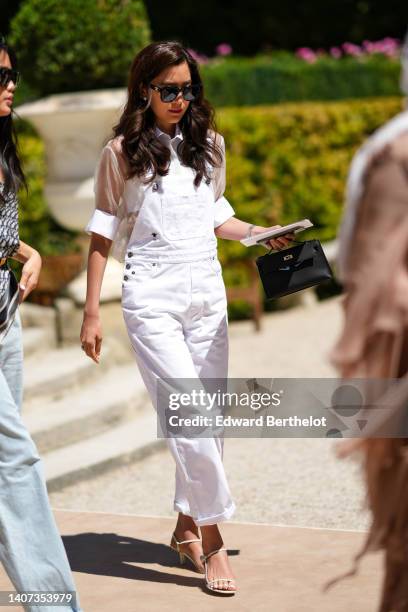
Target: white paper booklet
x=293, y=228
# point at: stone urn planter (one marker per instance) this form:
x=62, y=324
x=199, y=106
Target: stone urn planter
x=74, y=128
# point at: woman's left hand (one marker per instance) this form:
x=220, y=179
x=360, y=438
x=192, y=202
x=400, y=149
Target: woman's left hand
x=274, y=243
x=29, y=275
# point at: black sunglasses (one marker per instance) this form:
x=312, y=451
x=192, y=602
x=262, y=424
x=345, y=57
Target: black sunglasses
x=7, y=75
x=168, y=93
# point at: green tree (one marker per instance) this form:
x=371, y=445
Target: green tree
x=76, y=45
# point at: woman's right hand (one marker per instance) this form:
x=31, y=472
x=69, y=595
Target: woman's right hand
x=91, y=336
x=274, y=243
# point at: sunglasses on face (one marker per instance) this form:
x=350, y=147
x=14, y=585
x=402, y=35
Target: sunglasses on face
x=168, y=93
x=7, y=75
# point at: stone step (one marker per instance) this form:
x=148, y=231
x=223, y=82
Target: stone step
x=100, y=405
x=37, y=340
x=59, y=370
x=127, y=442
x=34, y=315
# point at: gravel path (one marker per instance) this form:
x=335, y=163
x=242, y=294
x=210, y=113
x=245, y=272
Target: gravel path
x=279, y=481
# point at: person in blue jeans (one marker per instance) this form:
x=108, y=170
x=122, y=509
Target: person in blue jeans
x=31, y=549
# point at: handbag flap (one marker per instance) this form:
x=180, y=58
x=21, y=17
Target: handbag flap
x=291, y=257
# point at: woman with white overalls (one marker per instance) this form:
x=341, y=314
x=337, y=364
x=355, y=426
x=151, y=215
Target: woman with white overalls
x=159, y=198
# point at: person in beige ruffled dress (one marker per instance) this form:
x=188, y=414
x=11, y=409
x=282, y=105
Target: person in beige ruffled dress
x=373, y=343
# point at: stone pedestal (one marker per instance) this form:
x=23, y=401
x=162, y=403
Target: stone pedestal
x=74, y=128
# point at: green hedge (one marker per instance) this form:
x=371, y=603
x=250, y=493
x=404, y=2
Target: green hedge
x=54, y=67
x=283, y=78
x=290, y=161
x=72, y=45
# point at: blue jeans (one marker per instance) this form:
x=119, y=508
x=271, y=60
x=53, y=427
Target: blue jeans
x=31, y=548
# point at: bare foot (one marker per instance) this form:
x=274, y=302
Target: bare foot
x=218, y=566
x=186, y=529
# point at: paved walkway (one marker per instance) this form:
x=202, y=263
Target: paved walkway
x=122, y=563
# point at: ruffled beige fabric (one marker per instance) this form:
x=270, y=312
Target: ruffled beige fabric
x=374, y=344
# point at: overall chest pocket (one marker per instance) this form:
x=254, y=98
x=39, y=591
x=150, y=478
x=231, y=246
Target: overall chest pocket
x=186, y=216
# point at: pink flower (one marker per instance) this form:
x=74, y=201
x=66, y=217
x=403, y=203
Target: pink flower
x=351, y=49
x=388, y=46
x=306, y=54
x=223, y=49
x=368, y=46
x=335, y=52
x=198, y=57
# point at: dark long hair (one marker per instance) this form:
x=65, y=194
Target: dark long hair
x=9, y=160
x=142, y=150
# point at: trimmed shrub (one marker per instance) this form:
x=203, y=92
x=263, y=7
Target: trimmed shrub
x=282, y=77
x=72, y=45
x=290, y=161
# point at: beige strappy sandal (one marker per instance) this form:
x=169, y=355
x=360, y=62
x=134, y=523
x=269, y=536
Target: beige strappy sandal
x=183, y=555
x=209, y=583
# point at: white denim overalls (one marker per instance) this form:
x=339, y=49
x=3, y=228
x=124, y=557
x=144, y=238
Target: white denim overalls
x=175, y=309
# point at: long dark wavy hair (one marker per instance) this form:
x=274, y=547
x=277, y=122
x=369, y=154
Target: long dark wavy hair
x=142, y=150
x=9, y=160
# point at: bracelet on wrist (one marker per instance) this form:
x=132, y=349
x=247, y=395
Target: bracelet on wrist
x=249, y=230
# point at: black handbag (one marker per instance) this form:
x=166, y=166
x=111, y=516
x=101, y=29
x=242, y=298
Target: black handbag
x=293, y=269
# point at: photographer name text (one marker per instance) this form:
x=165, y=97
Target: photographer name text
x=268, y=420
